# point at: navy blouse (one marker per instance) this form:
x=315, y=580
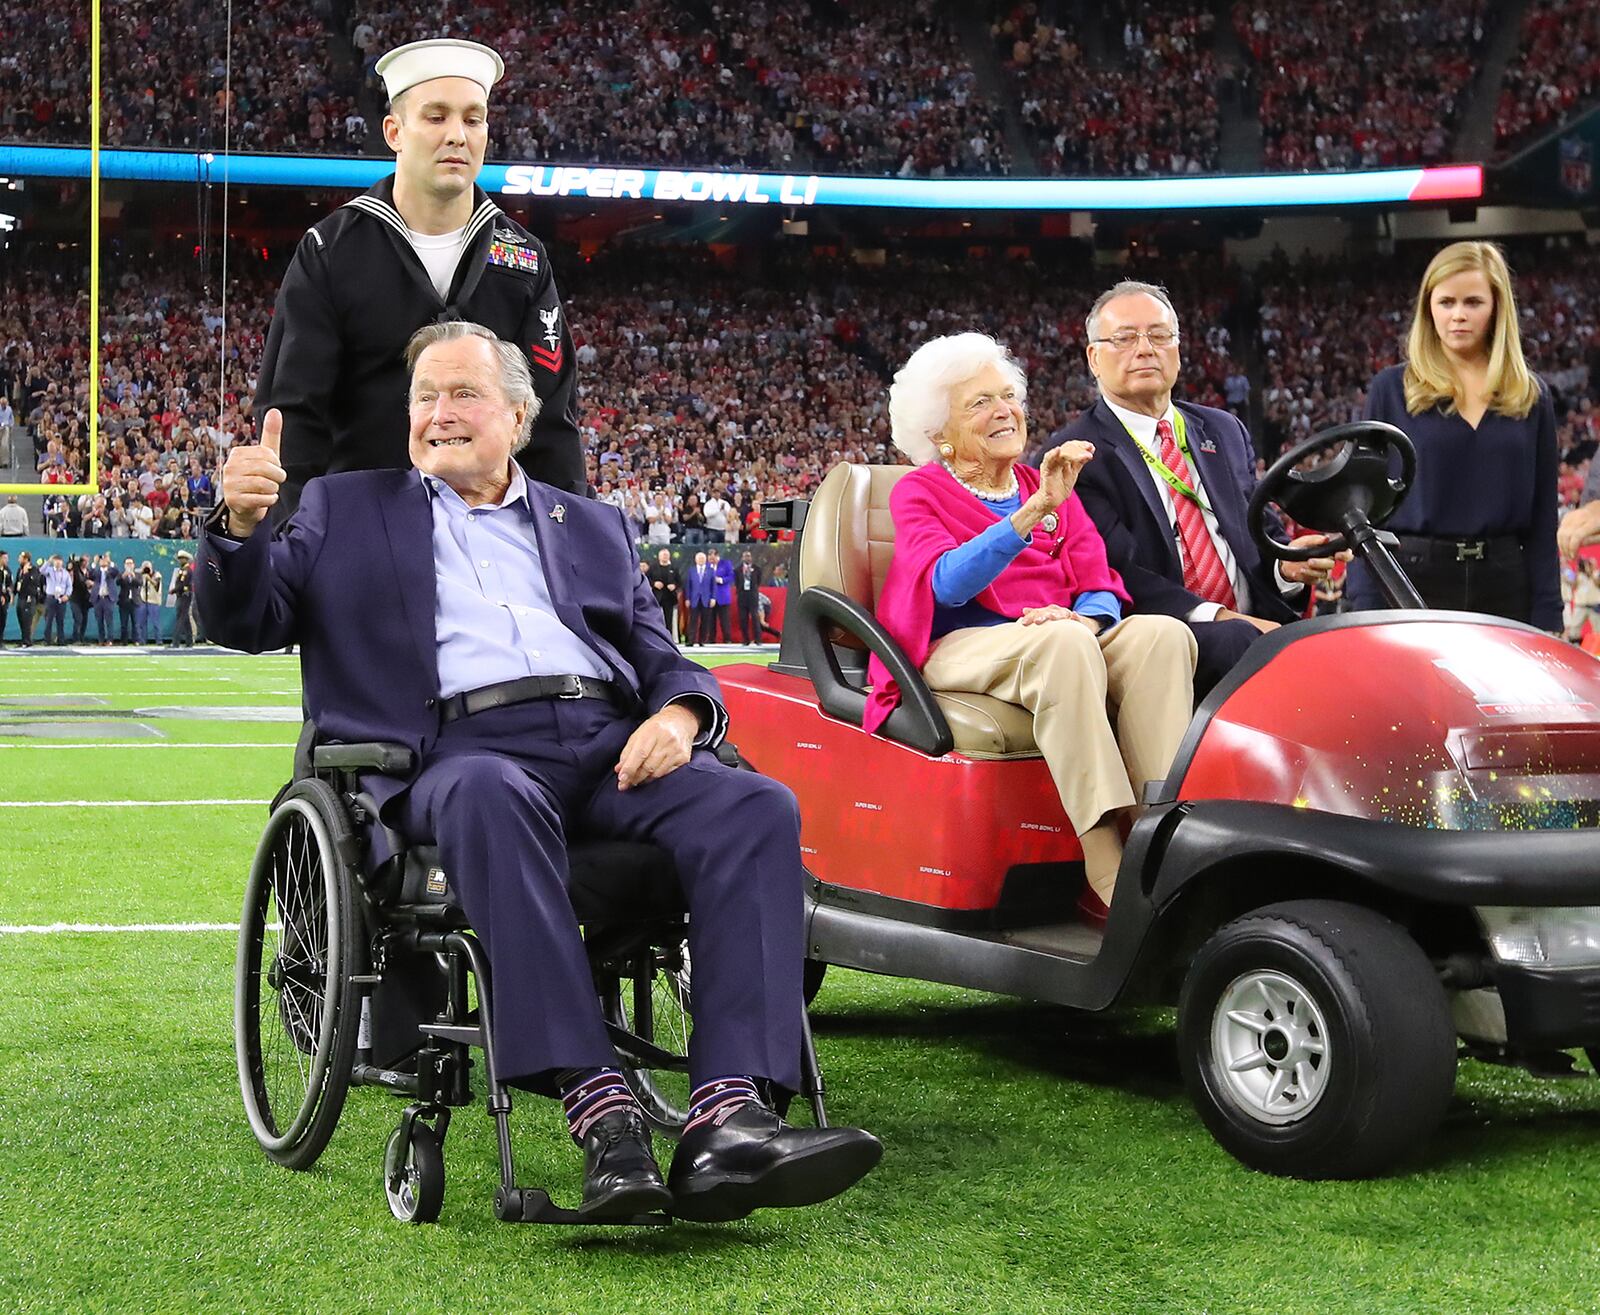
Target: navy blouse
x=1494, y=481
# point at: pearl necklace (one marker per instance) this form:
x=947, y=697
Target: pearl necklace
x=987, y=496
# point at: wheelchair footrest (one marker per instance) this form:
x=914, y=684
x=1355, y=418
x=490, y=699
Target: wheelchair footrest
x=532, y=1205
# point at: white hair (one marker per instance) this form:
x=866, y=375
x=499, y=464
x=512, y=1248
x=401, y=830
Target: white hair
x=919, y=398
x=516, y=377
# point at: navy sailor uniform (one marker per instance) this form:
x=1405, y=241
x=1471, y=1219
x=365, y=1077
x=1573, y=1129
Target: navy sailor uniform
x=352, y=297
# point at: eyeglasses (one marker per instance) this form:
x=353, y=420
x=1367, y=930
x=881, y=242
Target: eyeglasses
x=1125, y=339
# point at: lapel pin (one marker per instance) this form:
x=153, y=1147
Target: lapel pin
x=1206, y=445
x=558, y=513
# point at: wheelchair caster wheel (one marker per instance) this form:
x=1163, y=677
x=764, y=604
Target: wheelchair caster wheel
x=413, y=1175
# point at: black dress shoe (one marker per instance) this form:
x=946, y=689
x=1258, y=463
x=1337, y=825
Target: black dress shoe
x=620, y=1177
x=754, y=1159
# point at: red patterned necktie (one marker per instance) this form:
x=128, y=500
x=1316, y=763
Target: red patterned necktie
x=1203, y=572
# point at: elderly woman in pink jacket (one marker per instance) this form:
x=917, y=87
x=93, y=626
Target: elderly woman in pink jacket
x=1000, y=586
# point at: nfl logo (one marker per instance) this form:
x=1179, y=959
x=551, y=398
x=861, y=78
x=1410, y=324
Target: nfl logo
x=1577, y=165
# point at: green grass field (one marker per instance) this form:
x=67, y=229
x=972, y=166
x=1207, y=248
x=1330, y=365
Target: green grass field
x=1036, y=1161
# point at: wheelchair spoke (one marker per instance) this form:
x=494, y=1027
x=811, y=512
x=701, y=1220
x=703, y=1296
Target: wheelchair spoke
x=295, y=1029
x=650, y=998
x=292, y=987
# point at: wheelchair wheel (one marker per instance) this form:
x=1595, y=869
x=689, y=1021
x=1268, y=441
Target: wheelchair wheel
x=296, y=1006
x=413, y=1176
x=653, y=1003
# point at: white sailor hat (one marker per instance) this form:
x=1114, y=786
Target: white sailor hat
x=422, y=61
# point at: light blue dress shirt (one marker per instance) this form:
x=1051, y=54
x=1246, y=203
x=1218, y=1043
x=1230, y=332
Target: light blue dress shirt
x=492, y=615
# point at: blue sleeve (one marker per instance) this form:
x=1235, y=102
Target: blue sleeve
x=1101, y=604
x=965, y=571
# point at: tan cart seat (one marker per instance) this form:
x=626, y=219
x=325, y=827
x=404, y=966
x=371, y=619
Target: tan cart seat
x=847, y=546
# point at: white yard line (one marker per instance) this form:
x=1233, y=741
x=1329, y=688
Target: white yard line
x=10, y=678
x=149, y=744
x=133, y=803
x=63, y=928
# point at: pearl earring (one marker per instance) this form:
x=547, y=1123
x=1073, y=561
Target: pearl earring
x=946, y=450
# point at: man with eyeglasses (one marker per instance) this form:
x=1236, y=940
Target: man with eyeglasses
x=1171, y=487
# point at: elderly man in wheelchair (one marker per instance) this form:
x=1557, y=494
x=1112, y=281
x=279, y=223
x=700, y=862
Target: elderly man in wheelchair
x=488, y=676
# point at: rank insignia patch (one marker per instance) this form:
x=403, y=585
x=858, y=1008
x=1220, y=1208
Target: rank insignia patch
x=523, y=258
x=550, y=360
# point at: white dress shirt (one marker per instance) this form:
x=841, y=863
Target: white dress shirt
x=1143, y=429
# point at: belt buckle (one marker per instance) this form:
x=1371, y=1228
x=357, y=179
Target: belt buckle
x=574, y=689
x=1470, y=552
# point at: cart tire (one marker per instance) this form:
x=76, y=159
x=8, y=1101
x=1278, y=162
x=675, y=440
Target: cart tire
x=1316, y=1040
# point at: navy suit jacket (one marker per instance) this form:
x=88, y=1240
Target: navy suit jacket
x=350, y=578
x=1119, y=493
x=700, y=584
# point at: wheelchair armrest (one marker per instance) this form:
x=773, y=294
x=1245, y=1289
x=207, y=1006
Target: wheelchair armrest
x=917, y=722
x=389, y=759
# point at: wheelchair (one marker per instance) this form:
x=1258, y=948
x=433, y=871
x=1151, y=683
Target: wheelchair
x=354, y=972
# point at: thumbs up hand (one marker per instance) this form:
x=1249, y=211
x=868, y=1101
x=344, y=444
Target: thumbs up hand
x=251, y=477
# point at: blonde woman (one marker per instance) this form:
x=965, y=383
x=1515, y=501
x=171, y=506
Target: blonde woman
x=1478, y=532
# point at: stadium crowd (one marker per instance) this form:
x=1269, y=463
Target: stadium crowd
x=871, y=86
x=698, y=382
x=165, y=67
x=1555, y=70
x=162, y=437
x=641, y=81
x=705, y=392
x=1348, y=85
x=1157, y=114
x=881, y=86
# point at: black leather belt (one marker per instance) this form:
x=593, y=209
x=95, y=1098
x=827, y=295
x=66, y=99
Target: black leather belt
x=1437, y=548
x=529, y=689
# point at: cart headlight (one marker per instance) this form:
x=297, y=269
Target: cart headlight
x=1544, y=938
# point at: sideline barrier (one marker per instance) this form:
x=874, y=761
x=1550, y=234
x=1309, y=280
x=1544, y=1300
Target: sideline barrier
x=163, y=554
x=160, y=553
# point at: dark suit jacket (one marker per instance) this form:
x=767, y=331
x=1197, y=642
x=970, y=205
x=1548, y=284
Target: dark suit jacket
x=747, y=597
x=351, y=580
x=1119, y=492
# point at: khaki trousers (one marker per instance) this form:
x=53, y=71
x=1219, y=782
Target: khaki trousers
x=1137, y=678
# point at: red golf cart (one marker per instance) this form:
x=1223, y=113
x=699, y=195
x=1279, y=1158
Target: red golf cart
x=1377, y=842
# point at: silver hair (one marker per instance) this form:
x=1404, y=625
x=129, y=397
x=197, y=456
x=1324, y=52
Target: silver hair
x=1127, y=288
x=919, y=398
x=516, y=379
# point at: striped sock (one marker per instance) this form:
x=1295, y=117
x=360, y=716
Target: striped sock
x=589, y=1094
x=714, y=1101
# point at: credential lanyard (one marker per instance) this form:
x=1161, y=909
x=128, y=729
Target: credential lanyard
x=1178, y=486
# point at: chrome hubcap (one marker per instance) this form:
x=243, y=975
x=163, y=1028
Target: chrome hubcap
x=1270, y=1044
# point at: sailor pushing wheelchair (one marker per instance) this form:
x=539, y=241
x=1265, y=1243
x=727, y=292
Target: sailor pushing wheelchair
x=488, y=642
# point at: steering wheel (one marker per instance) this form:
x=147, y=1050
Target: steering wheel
x=1352, y=489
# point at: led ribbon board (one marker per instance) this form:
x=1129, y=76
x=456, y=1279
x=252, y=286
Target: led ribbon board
x=608, y=183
